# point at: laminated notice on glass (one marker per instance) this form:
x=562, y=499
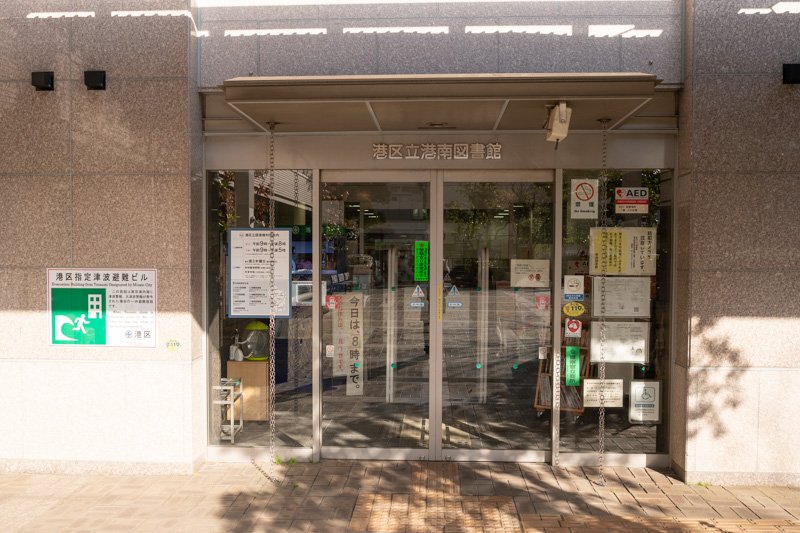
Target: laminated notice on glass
x=530, y=273
x=102, y=307
x=259, y=264
x=628, y=251
x=353, y=309
x=420, y=260
x=626, y=342
x=624, y=297
x=612, y=392
x=645, y=402
x=572, y=366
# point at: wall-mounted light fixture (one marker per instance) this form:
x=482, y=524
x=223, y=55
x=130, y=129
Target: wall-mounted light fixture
x=791, y=73
x=43, y=81
x=95, y=80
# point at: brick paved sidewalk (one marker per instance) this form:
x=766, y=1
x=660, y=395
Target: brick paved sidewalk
x=375, y=496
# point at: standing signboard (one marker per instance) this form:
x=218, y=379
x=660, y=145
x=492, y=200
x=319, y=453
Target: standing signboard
x=102, y=307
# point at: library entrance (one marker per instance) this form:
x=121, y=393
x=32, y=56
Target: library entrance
x=437, y=324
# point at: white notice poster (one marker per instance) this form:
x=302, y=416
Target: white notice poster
x=258, y=257
x=625, y=297
x=530, y=273
x=645, y=402
x=353, y=310
x=626, y=342
x=628, y=251
x=612, y=392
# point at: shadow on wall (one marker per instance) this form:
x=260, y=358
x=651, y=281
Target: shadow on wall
x=711, y=397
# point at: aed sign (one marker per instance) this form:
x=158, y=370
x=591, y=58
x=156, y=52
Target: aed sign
x=631, y=200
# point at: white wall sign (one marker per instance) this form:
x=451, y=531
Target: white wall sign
x=255, y=255
x=625, y=297
x=629, y=251
x=437, y=151
x=583, y=199
x=102, y=307
x=631, y=200
x=626, y=342
x=530, y=273
x=612, y=392
x=645, y=402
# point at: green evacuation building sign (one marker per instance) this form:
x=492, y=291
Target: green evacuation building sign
x=102, y=307
x=78, y=316
x=420, y=260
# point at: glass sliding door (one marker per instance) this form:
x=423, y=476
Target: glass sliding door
x=375, y=274
x=496, y=315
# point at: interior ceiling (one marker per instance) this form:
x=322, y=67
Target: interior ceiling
x=395, y=103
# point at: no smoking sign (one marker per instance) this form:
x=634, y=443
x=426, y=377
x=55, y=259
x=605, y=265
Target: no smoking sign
x=572, y=328
x=583, y=199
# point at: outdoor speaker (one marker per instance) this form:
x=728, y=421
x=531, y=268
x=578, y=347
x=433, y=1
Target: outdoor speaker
x=791, y=73
x=95, y=80
x=43, y=81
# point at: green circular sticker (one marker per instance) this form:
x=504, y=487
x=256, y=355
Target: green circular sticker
x=394, y=365
x=356, y=365
x=477, y=365
x=515, y=366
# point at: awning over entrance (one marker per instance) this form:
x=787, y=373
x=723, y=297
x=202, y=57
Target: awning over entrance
x=499, y=103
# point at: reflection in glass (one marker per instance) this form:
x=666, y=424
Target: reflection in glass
x=495, y=318
x=579, y=424
x=375, y=328
x=239, y=348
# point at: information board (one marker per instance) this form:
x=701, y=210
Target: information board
x=256, y=258
x=102, y=307
x=629, y=251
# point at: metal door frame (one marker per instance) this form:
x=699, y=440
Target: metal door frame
x=554, y=177
x=436, y=180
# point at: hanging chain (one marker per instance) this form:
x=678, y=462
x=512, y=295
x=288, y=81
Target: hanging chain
x=273, y=301
x=601, y=430
x=296, y=348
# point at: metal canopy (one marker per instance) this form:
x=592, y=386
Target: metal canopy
x=442, y=102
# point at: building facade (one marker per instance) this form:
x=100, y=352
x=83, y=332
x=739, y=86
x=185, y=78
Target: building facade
x=442, y=254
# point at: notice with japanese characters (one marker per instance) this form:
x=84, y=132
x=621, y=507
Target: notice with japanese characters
x=622, y=251
x=530, y=273
x=102, y=307
x=352, y=331
x=624, y=297
x=612, y=393
x=259, y=272
x=626, y=342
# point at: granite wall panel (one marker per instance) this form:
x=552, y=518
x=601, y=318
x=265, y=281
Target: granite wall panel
x=745, y=122
x=750, y=216
x=39, y=221
x=740, y=44
x=723, y=411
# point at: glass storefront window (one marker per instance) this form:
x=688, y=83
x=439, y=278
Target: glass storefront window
x=634, y=300
x=239, y=347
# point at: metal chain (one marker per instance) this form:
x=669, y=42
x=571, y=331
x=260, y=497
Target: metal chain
x=601, y=430
x=295, y=352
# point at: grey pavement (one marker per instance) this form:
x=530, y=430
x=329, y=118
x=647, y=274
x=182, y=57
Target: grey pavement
x=390, y=496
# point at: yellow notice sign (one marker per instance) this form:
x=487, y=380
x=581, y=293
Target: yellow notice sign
x=574, y=309
x=627, y=251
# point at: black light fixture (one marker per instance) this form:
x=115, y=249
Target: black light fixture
x=43, y=81
x=95, y=80
x=791, y=73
